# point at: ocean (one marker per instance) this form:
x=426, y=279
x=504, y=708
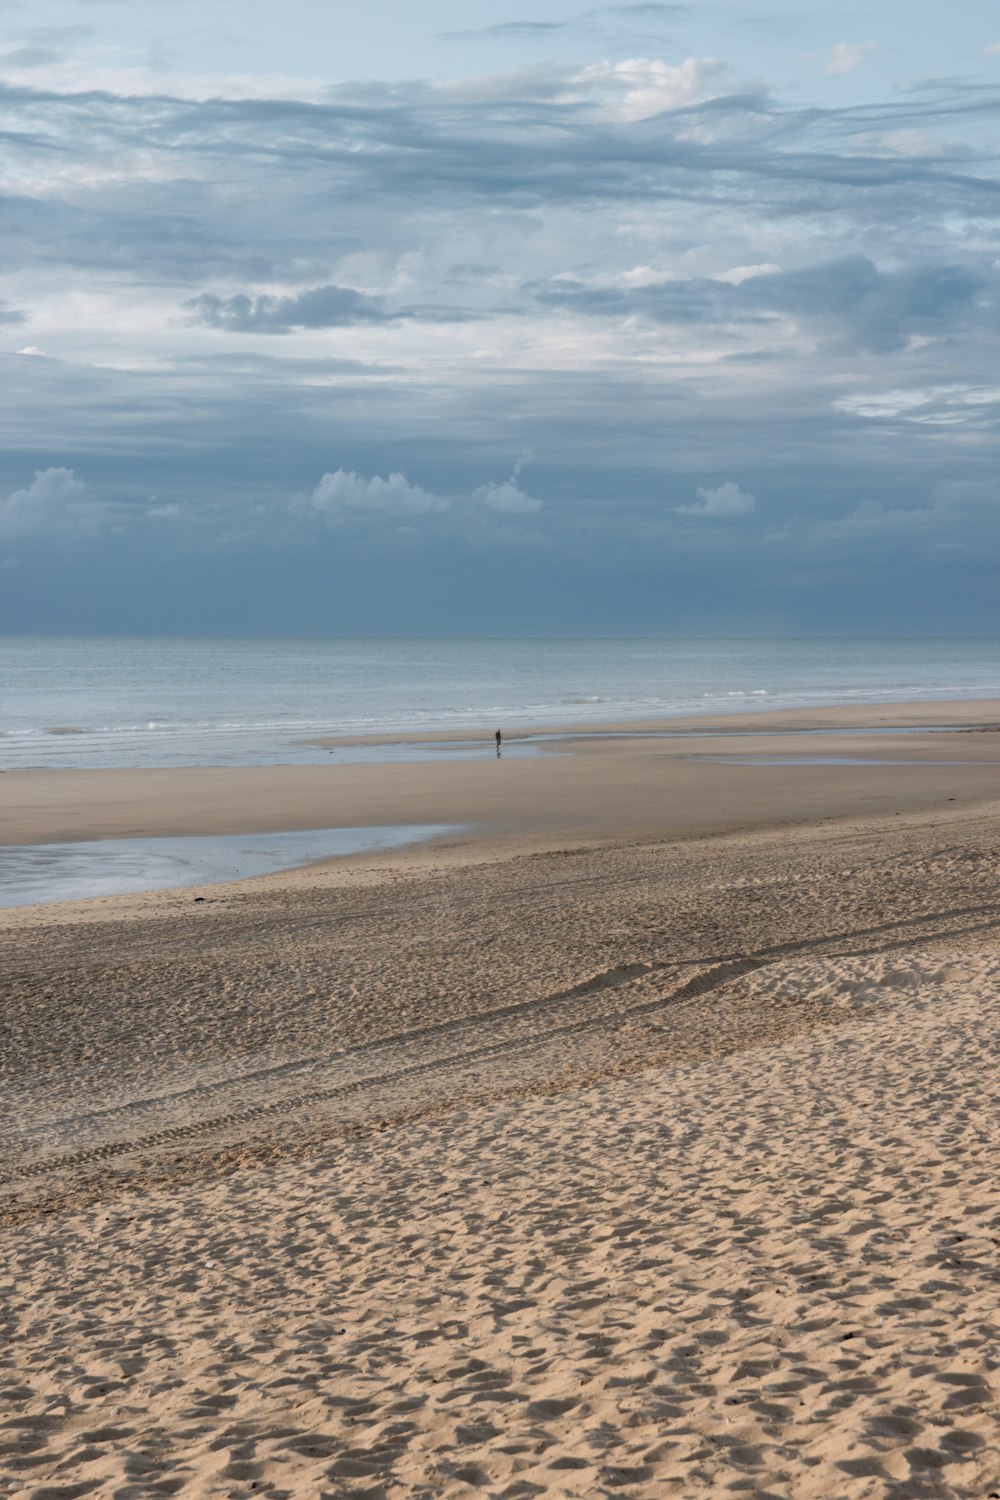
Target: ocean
x=114, y=702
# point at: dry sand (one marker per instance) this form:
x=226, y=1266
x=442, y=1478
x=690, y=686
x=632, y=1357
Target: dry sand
x=659, y=1167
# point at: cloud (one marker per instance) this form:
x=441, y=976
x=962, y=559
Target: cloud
x=726, y=501
x=651, y=10
x=53, y=502
x=960, y=514
x=738, y=274
x=140, y=190
x=861, y=307
x=635, y=89
x=848, y=302
x=346, y=493
x=958, y=405
x=588, y=23
x=682, y=283
x=57, y=36
x=30, y=57
x=10, y=314
x=508, y=498
x=966, y=494
x=846, y=56
x=914, y=143
x=320, y=307
x=643, y=87
x=508, y=31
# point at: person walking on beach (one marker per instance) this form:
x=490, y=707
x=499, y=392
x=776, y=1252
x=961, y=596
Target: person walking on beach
x=499, y=741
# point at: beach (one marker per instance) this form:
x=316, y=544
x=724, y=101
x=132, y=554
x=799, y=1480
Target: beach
x=637, y=1135
x=640, y=780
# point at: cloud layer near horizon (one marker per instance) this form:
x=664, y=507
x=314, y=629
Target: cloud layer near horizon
x=306, y=346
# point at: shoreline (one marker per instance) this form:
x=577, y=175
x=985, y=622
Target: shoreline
x=686, y=779
x=611, y=784
x=958, y=713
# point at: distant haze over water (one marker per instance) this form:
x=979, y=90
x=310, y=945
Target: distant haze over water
x=156, y=702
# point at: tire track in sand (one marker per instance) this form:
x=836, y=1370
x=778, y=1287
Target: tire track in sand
x=394, y=1063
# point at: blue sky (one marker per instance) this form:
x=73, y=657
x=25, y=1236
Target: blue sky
x=480, y=317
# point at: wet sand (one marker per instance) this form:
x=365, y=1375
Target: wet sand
x=655, y=1159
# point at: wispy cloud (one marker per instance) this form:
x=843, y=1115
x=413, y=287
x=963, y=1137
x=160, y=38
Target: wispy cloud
x=846, y=56
x=594, y=21
x=514, y=30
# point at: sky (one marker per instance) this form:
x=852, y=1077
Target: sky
x=486, y=318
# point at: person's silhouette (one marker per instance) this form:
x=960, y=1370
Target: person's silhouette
x=499, y=742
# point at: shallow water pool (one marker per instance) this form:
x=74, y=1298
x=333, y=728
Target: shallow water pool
x=31, y=873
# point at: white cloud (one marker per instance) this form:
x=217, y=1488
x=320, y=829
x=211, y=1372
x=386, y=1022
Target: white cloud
x=913, y=145
x=107, y=71
x=992, y=49
x=727, y=500
x=933, y=406
x=508, y=498
x=646, y=86
x=53, y=501
x=846, y=56
x=739, y=274
x=344, y=492
x=639, y=276
x=636, y=89
x=30, y=349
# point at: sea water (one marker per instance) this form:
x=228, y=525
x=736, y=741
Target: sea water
x=32, y=873
x=113, y=702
